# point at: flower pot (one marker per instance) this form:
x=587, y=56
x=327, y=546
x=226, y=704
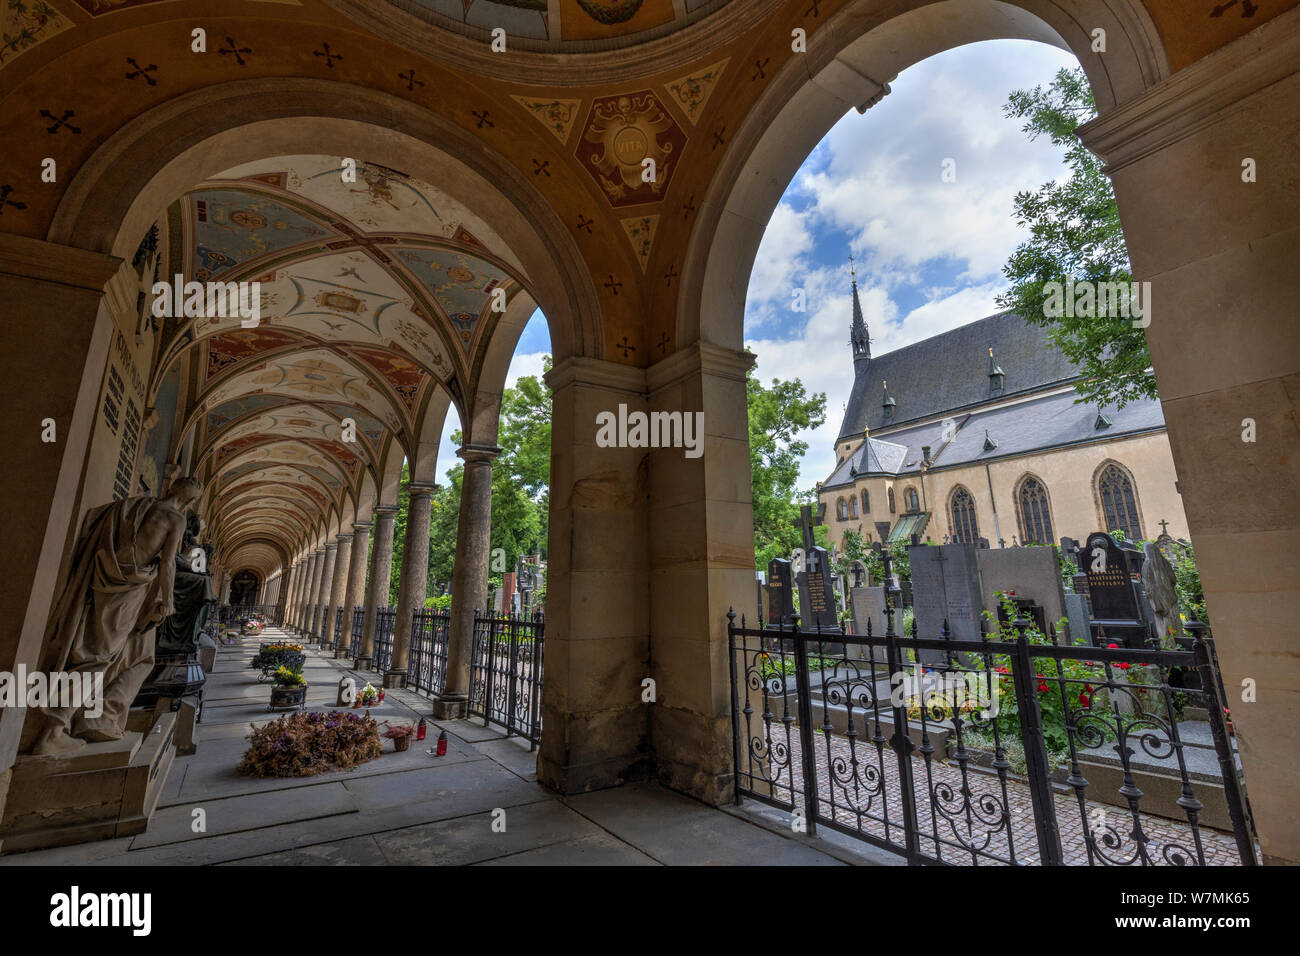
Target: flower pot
x=286, y=698
x=401, y=743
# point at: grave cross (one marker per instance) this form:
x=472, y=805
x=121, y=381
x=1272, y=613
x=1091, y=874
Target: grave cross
x=1164, y=527
x=806, y=523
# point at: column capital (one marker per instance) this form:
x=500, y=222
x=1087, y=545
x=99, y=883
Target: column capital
x=330, y=546
x=386, y=511
x=700, y=356
x=422, y=488
x=320, y=549
x=579, y=369
x=478, y=454
x=362, y=526
x=343, y=537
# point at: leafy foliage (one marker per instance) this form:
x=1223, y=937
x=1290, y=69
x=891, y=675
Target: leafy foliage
x=777, y=415
x=1075, y=233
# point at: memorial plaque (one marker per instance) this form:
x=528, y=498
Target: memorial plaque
x=817, y=599
x=780, y=600
x=945, y=586
x=1110, y=584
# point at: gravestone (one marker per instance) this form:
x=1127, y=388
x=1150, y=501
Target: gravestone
x=868, y=605
x=780, y=599
x=945, y=586
x=1160, y=590
x=1114, y=591
x=816, y=598
x=1076, y=609
x=1020, y=573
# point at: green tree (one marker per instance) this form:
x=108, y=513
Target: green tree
x=1075, y=233
x=777, y=415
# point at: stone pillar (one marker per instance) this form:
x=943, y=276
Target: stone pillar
x=356, y=586
x=291, y=612
x=381, y=573
x=415, y=575
x=469, y=575
x=304, y=574
x=1221, y=254
x=324, y=627
x=597, y=599
x=335, y=590
x=323, y=554
x=304, y=602
x=701, y=555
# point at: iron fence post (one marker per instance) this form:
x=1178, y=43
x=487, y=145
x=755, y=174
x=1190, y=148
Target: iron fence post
x=901, y=742
x=735, y=703
x=1036, y=767
x=489, y=664
x=803, y=708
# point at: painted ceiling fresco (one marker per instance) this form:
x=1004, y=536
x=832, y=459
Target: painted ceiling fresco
x=567, y=20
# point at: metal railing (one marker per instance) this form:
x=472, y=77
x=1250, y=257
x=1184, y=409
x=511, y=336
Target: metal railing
x=358, y=628
x=234, y=613
x=505, y=684
x=427, y=665
x=385, y=618
x=942, y=749
x=337, y=630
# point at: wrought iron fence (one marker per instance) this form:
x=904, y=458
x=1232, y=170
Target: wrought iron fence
x=385, y=618
x=337, y=630
x=506, y=672
x=358, y=628
x=1011, y=749
x=427, y=665
x=234, y=613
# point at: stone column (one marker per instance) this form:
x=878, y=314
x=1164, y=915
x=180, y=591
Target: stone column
x=304, y=602
x=324, y=627
x=334, y=591
x=356, y=586
x=1220, y=252
x=291, y=614
x=415, y=574
x=701, y=556
x=304, y=575
x=597, y=599
x=469, y=575
x=381, y=573
x=324, y=553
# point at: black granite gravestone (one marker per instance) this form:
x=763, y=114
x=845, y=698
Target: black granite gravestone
x=945, y=586
x=1114, y=574
x=816, y=598
x=780, y=598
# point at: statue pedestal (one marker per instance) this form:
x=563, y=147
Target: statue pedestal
x=102, y=791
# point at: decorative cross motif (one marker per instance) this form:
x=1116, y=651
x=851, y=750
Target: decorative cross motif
x=5, y=190
x=238, y=51
x=1248, y=9
x=664, y=339
x=625, y=346
x=540, y=167
x=760, y=65
x=329, y=57
x=613, y=285
x=143, y=71
x=60, y=122
x=670, y=275
x=584, y=223
x=482, y=117
x=688, y=207
x=815, y=9
x=718, y=138
x=1164, y=527
x=411, y=81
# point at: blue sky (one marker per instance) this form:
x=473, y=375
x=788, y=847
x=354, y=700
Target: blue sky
x=929, y=254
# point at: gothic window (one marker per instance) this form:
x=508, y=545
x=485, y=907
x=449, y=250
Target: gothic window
x=965, y=529
x=1117, y=501
x=841, y=509
x=1034, y=512
x=853, y=507
x=866, y=502
x=912, y=500
x=892, y=509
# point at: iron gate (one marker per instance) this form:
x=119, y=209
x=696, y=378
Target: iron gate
x=505, y=685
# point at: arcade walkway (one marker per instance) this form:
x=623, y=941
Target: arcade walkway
x=414, y=809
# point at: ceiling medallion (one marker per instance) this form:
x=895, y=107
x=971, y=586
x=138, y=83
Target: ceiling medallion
x=621, y=133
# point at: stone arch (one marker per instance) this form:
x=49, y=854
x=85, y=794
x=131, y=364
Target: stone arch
x=126, y=184
x=849, y=64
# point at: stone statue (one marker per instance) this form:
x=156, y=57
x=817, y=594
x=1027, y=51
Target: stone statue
x=179, y=634
x=1159, y=582
x=120, y=587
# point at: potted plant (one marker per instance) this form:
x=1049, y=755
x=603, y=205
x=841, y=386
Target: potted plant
x=290, y=688
x=399, y=734
x=369, y=695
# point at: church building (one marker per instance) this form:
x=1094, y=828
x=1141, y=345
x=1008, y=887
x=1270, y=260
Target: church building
x=977, y=434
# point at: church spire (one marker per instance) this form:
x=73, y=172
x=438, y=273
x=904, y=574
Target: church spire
x=858, y=336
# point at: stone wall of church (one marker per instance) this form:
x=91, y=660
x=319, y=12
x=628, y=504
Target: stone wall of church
x=1068, y=474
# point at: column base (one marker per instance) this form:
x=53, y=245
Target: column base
x=395, y=679
x=342, y=652
x=451, y=707
x=362, y=664
x=600, y=775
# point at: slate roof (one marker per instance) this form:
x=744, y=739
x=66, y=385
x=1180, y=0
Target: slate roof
x=950, y=372
x=1035, y=424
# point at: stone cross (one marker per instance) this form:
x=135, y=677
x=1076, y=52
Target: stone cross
x=806, y=523
x=1164, y=528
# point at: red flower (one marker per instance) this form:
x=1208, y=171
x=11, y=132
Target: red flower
x=1042, y=687
x=1123, y=665
x=1085, y=700
x=1112, y=645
